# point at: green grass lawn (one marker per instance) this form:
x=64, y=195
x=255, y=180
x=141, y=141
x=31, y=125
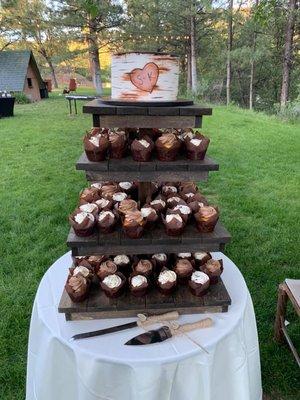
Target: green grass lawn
x=256, y=188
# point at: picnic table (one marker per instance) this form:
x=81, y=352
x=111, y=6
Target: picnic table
x=75, y=98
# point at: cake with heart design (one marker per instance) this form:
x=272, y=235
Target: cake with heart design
x=141, y=76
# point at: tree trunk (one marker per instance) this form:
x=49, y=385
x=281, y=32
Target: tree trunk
x=188, y=67
x=52, y=70
x=288, y=53
x=252, y=67
x=193, y=56
x=94, y=58
x=229, y=48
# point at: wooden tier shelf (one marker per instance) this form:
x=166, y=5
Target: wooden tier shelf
x=154, y=241
x=99, y=306
x=110, y=116
x=126, y=169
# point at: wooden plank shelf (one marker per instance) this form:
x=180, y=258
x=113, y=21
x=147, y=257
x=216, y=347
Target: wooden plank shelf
x=129, y=116
x=154, y=241
x=97, y=305
x=126, y=169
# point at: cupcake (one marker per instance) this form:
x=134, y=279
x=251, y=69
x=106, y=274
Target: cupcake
x=95, y=261
x=96, y=185
x=167, y=147
x=196, y=147
x=184, y=270
x=104, y=204
x=113, y=285
x=77, y=259
x=82, y=270
x=83, y=223
x=107, y=267
x=187, y=133
x=138, y=285
x=89, y=195
x=107, y=191
x=150, y=215
x=169, y=190
x=187, y=256
x=184, y=210
x=77, y=287
x=119, y=196
x=167, y=281
x=96, y=146
x=126, y=187
x=106, y=221
x=158, y=204
x=117, y=144
x=201, y=257
x=123, y=263
x=213, y=268
x=141, y=150
x=206, y=218
x=174, y=224
x=187, y=187
x=199, y=283
x=133, y=224
x=126, y=206
x=160, y=260
x=90, y=208
x=143, y=267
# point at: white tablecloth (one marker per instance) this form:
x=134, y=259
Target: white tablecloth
x=177, y=369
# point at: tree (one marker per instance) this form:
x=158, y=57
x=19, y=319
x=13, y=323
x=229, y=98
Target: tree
x=229, y=49
x=288, y=53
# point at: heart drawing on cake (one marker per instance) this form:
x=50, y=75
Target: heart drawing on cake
x=145, y=79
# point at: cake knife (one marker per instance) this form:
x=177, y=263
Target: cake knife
x=166, y=332
x=143, y=321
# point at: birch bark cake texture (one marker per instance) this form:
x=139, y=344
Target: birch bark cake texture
x=144, y=77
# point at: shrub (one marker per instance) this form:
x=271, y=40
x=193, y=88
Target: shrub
x=291, y=112
x=21, y=98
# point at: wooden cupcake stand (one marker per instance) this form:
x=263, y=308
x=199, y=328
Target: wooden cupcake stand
x=174, y=115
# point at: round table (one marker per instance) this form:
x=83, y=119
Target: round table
x=177, y=369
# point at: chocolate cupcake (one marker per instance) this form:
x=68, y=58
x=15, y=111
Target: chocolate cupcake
x=187, y=256
x=213, y=268
x=123, y=263
x=89, y=195
x=167, y=147
x=77, y=288
x=158, y=204
x=187, y=133
x=113, y=285
x=96, y=146
x=117, y=144
x=196, y=148
x=201, y=257
x=107, y=267
x=126, y=206
x=174, y=201
x=133, y=224
x=184, y=270
x=107, y=191
x=96, y=261
x=199, y=283
x=96, y=185
x=78, y=259
x=167, y=281
x=126, y=187
x=168, y=190
x=90, y=208
x=83, y=223
x=119, y=196
x=184, y=210
x=106, y=221
x=138, y=285
x=82, y=270
x=160, y=260
x=206, y=218
x=143, y=267
x=150, y=216
x=104, y=204
x=174, y=224
x=141, y=150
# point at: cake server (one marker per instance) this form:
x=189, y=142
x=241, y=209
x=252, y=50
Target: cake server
x=143, y=321
x=166, y=332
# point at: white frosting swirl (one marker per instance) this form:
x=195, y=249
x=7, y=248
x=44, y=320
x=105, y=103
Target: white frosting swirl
x=80, y=217
x=169, y=189
x=158, y=201
x=96, y=185
x=199, y=277
x=81, y=270
x=138, y=280
x=121, y=259
x=184, y=255
x=119, y=196
x=112, y=281
x=125, y=185
x=183, y=209
x=103, y=214
x=89, y=207
x=160, y=256
x=167, y=276
x=146, y=211
x=170, y=217
x=200, y=255
x=174, y=198
x=102, y=203
x=196, y=142
x=144, y=143
x=188, y=195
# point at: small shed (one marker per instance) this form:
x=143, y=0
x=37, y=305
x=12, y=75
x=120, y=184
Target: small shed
x=19, y=73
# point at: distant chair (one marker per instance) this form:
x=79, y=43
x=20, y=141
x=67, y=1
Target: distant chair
x=288, y=290
x=72, y=85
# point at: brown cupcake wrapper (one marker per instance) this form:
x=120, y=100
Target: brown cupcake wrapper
x=194, y=155
x=141, y=156
x=116, y=292
x=163, y=155
x=206, y=227
x=96, y=156
x=77, y=298
x=199, y=292
x=167, y=292
x=84, y=232
x=134, y=232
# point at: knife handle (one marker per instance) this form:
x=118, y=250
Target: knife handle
x=203, y=323
x=153, y=319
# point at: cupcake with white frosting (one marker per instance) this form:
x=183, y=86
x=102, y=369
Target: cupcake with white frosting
x=201, y=257
x=107, y=221
x=82, y=222
x=167, y=281
x=199, y=283
x=113, y=285
x=138, y=284
x=160, y=260
x=196, y=147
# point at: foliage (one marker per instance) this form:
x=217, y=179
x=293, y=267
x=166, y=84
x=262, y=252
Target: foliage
x=21, y=98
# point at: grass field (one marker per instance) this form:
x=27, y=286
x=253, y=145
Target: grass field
x=257, y=189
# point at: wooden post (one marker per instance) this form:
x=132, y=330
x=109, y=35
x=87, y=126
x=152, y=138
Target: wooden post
x=144, y=192
x=280, y=312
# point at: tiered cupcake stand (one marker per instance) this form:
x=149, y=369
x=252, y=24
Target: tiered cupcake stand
x=177, y=115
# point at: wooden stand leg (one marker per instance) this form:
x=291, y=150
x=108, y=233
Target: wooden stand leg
x=280, y=313
x=144, y=192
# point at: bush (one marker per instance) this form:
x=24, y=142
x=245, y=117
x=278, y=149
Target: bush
x=21, y=98
x=291, y=112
